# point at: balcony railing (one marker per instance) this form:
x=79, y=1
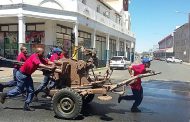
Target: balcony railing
x=92, y=14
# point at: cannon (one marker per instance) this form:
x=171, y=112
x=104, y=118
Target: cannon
x=77, y=84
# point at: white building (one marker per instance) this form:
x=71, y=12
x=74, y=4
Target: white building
x=44, y=23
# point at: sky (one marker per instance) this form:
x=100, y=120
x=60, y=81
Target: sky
x=152, y=20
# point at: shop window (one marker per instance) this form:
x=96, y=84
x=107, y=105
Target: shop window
x=59, y=35
x=35, y=37
x=98, y=9
x=85, y=35
x=67, y=37
x=10, y=45
x=40, y=27
x=89, y=36
x=69, y=31
x=31, y=27
x=58, y=29
x=101, y=47
x=13, y=28
x=4, y=28
x=81, y=34
x=1, y=44
x=63, y=30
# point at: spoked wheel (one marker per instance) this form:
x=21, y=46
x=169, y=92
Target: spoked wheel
x=88, y=98
x=67, y=103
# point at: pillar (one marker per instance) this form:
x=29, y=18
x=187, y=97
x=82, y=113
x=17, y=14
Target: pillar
x=107, y=48
x=125, y=48
x=93, y=41
x=50, y=33
x=75, y=31
x=117, y=47
x=21, y=30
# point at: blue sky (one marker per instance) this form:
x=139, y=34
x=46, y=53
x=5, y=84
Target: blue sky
x=152, y=20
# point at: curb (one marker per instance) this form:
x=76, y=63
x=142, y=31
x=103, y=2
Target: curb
x=186, y=63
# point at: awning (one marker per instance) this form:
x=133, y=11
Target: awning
x=167, y=50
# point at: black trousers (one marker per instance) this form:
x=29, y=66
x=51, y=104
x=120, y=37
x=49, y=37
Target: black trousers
x=137, y=96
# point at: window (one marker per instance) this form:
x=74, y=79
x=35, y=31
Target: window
x=106, y=14
x=4, y=28
x=13, y=28
x=98, y=8
x=40, y=27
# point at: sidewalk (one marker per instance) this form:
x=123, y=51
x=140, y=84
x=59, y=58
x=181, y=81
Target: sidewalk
x=186, y=63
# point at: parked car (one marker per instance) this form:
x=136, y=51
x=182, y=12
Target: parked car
x=173, y=60
x=162, y=59
x=119, y=62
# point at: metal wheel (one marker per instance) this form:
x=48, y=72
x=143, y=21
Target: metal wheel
x=67, y=103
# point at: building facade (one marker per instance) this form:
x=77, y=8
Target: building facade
x=42, y=23
x=166, y=48
x=182, y=43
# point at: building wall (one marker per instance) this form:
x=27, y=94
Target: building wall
x=166, y=46
x=117, y=4
x=182, y=42
x=167, y=42
x=62, y=14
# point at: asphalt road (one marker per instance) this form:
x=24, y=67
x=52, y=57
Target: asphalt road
x=166, y=99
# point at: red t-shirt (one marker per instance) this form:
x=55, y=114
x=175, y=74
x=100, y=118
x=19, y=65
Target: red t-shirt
x=62, y=55
x=31, y=64
x=138, y=69
x=21, y=57
x=54, y=57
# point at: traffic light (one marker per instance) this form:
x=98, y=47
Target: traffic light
x=73, y=37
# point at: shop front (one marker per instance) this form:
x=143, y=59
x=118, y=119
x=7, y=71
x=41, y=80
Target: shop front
x=121, y=48
x=84, y=39
x=112, y=48
x=8, y=41
x=63, y=38
x=34, y=36
x=101, y=50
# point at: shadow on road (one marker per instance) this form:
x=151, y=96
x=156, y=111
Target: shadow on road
x=11, y=108
x=101, y=110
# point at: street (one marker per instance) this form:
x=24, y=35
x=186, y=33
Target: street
x=166, y=99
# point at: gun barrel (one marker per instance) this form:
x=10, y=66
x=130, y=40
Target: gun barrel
x=131, y=80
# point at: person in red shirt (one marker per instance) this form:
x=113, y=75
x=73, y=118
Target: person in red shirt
x=55, y=56
x=64, y=54
x=136, y=87
x=24, y=79
x=22, y=58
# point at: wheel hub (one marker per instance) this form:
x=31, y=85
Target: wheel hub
x=66, y=105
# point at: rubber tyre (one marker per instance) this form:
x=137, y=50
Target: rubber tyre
x=67, y=104
x=88, y=98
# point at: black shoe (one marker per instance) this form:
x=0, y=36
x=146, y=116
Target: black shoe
x=135, y=110
x=3, y=97
x=1, y=87
x=27, y=107
x=119, y=99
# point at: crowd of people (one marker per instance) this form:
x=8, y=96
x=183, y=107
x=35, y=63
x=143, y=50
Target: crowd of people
x=22, y=80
